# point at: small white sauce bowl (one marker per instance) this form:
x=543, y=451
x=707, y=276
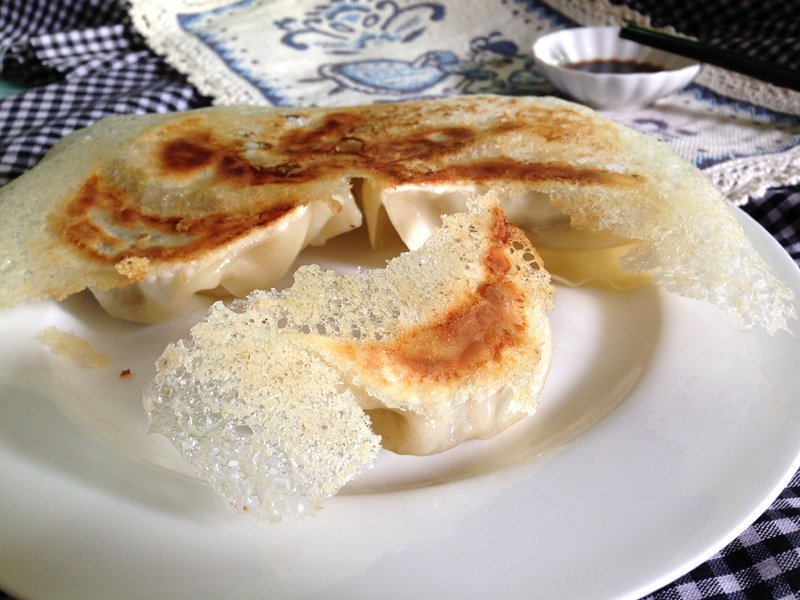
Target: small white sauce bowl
x=553, y=52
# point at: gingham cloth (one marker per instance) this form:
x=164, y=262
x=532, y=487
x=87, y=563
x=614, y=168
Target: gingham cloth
x=88, y=62
x=764, y=29
x=91, y=64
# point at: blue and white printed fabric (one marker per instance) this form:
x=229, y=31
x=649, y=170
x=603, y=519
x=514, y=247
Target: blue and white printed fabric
x=372, y=51
x=344, y=52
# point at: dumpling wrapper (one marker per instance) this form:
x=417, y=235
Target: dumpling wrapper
x=233, y=193
x=135, y=209
x=272, y=398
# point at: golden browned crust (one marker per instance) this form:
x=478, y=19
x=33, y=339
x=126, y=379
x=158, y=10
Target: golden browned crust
x=477, y=330
x=108, y=226
x=189, y=187
x=207, y=153
x=133, y=267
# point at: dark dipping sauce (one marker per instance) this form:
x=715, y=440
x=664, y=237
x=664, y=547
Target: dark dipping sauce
x=614, y=66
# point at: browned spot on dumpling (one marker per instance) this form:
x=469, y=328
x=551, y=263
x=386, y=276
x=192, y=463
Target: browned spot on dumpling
x=477, y=330
x=199, y=164
x=101, y=222
x=186, y=154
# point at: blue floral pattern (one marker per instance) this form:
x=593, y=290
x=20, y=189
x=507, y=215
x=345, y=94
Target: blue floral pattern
x=388, y=76
x=491, y=64
x=349, y=26
x=373, y=48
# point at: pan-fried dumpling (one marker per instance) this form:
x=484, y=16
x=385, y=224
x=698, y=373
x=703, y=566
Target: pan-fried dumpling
x=602, y=203
x=273, y=397
x=149, y=210
x=151, y=213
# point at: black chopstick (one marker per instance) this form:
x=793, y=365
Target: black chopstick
x=733, y=61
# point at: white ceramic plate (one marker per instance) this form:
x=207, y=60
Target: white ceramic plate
x=663, y=432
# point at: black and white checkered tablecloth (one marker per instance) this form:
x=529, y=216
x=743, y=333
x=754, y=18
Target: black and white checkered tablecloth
x=764, y=29
x=87, y=62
